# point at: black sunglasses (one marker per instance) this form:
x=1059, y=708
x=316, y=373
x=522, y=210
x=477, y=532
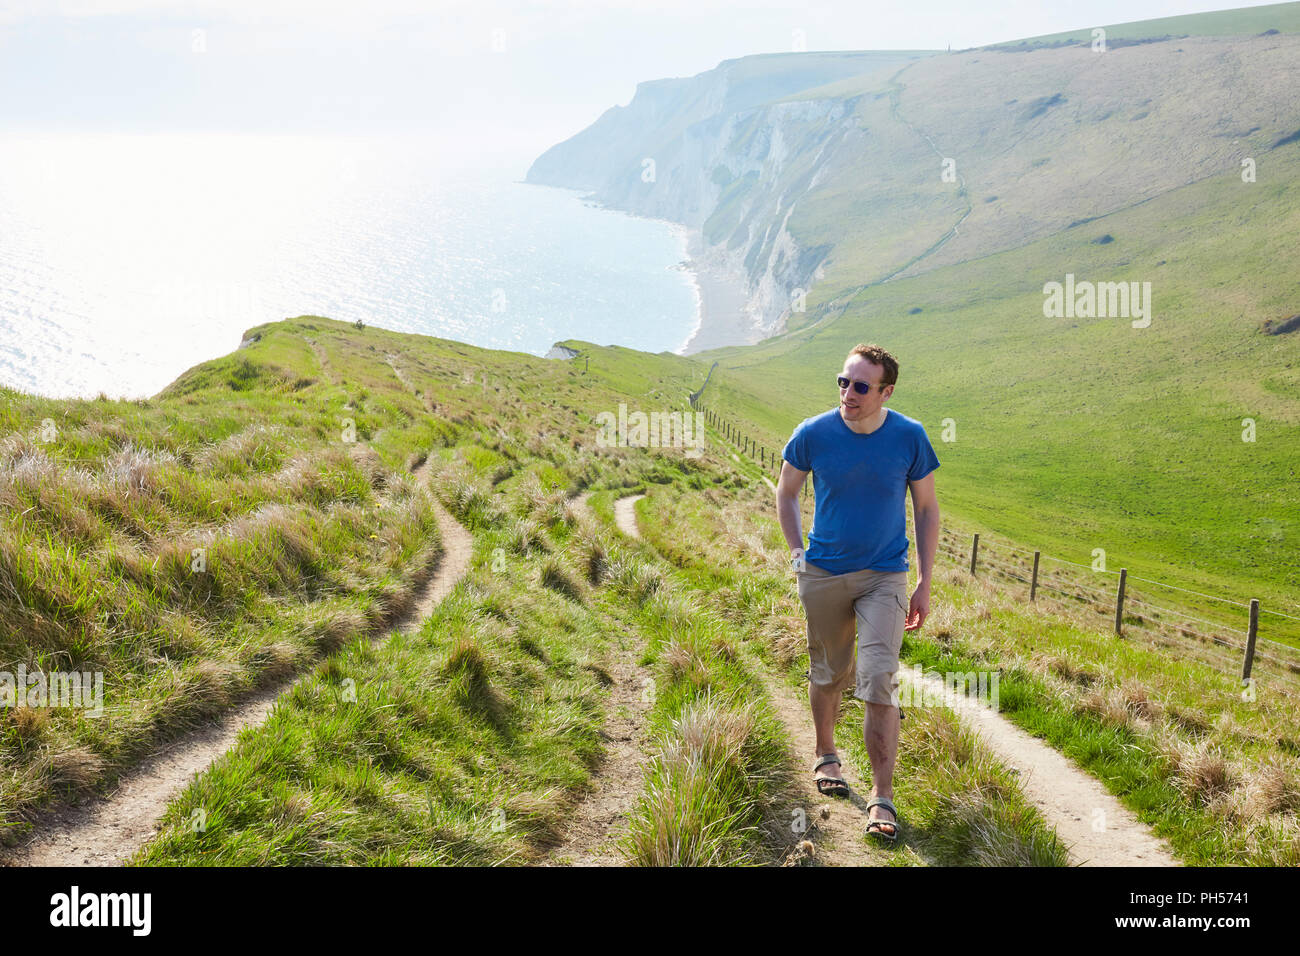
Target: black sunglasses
x=860, y=387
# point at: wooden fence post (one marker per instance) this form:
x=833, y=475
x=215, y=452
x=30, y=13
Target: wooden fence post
x=1119, y=602
x=1250, y=638
x=1033, y=585
x=974, y=551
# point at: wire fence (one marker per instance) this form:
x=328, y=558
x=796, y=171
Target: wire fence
x=1134, y=613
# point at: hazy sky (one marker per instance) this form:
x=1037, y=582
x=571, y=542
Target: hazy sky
x=503, y=77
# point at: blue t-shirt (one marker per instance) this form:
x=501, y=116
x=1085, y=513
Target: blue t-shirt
x=860, y=488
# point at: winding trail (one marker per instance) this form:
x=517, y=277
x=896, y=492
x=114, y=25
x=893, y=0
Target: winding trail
x=110, y=829
x=625, y=515
x=1096, y=828
x=599, y=820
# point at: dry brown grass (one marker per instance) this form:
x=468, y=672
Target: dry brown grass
x=1138, y=701
x=1062, y=667
x=710, y=732
x=684, y=664
x=136, y=470
x=29, y=723
x=1106, y=704
x=786, y=635
x=591, y=554
x=1274, y=842
x=1200, y=770
x=1128, y=705
x=1190, y=720
x=74, y=768
x=1270, y=787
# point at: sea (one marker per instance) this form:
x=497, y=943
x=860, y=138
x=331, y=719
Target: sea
x=126, y=259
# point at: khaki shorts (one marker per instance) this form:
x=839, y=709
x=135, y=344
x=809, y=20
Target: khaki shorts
x=873, y=601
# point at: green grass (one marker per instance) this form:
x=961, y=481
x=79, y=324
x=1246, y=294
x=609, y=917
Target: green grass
x=252, y=518
x=467, y=742
x=389, y=752
x=717, y=777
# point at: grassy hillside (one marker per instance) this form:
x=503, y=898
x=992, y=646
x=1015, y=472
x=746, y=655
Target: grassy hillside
x=1071, y=434
x=1075, y=434
x=1246, y=21
x=468, y=741
x=473, y=739
x=257, y=514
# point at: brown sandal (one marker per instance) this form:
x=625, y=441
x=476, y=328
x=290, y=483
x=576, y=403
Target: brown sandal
x=835, y=786
x=874, y=827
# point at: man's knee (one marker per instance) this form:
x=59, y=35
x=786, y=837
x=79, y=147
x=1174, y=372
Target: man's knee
x=878, y=687
x=825, y=680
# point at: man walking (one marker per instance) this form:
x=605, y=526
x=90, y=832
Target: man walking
x=864, y=458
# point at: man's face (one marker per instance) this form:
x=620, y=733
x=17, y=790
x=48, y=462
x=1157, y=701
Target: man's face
x=864, y=408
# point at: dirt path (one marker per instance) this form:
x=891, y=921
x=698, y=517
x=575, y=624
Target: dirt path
x=109, y=830
x=457, y=550
x=1094, y=825
x=625, y=515
x=599, y=820
x=597, y=823
x=837, y=827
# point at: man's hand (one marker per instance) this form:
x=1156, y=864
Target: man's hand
x=797, y=560
x=919, y=609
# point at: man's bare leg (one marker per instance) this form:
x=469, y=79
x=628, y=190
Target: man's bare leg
x=825, y=705
x=880, y=733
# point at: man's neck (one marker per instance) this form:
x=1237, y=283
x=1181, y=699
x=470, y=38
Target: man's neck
x=880, y=420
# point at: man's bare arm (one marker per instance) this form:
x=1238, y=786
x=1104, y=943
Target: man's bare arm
x=787, y=504
x=925, y=511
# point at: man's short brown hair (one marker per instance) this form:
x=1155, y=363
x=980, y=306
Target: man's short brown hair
x=878, y=356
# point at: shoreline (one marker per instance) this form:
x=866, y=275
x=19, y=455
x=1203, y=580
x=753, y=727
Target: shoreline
x=720, y=296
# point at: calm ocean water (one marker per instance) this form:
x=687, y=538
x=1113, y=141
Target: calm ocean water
x=124, y=260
